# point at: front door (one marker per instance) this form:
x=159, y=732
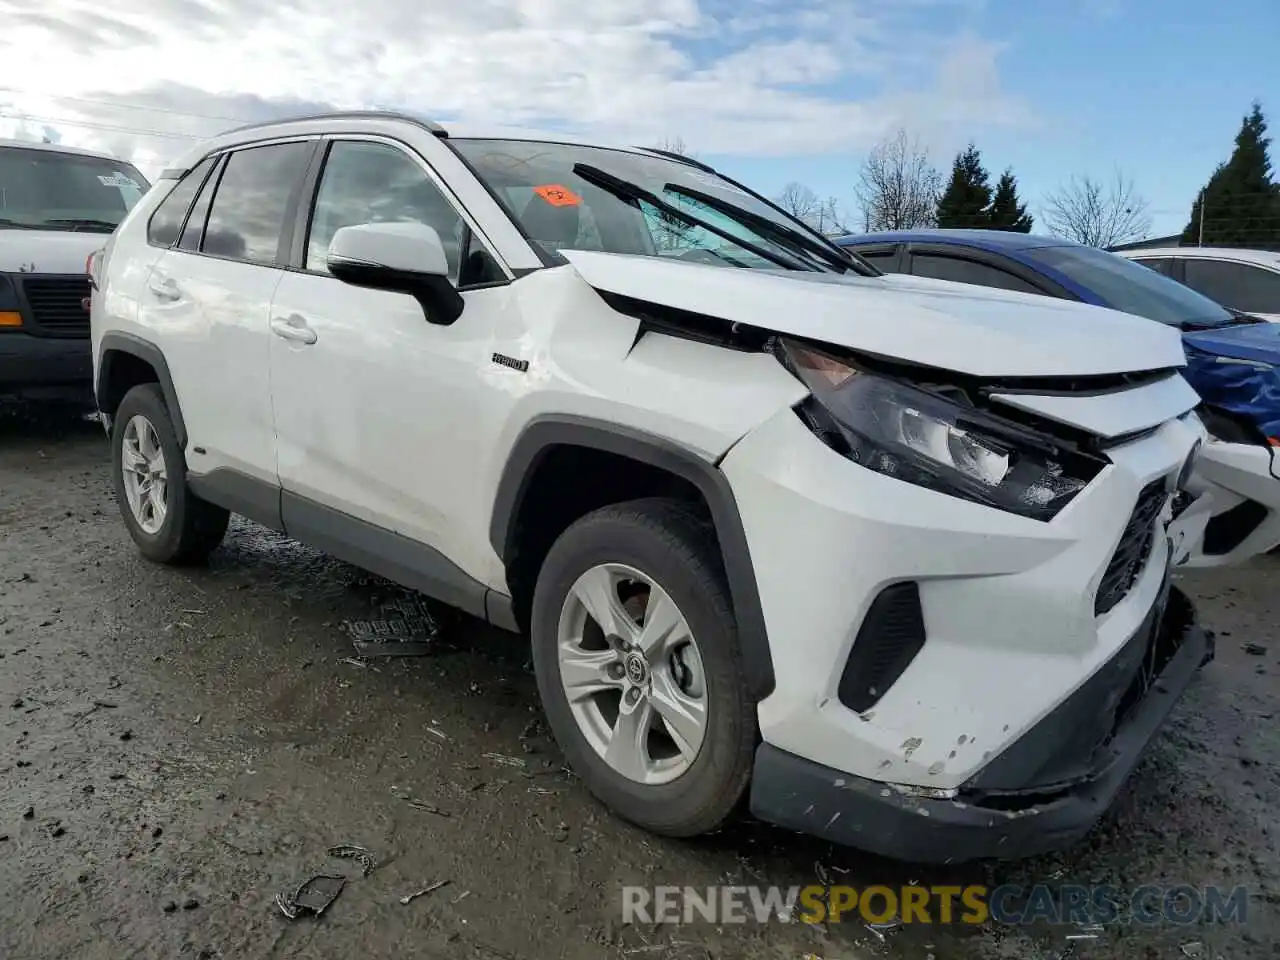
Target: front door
x=380, y=420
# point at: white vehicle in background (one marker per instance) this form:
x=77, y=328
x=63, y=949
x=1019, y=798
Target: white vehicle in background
x=56, y=206
x=893, y=565
x=1244, y=280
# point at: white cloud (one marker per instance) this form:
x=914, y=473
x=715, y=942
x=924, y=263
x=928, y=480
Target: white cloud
x=781, y=77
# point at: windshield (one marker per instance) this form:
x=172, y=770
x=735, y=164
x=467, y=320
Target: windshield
x=1133, y=288
x=622, y=202
x=48, y=190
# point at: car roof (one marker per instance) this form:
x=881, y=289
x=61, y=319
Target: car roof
x=996, y=241
x=1268, y=258
x=58, y=148
x=320, y=123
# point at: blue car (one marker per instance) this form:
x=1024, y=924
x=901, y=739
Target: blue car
x=1233, y=359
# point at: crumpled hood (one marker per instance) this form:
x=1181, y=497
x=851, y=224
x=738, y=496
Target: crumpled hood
x=47, y=251
x=967, y=329
x=1249, y=388
x=1245, y=341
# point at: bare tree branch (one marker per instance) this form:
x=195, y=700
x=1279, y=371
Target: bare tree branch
x=672, y=233
x=675, y=144
x=898, y=186
x=803, y=204
x=1098, y=214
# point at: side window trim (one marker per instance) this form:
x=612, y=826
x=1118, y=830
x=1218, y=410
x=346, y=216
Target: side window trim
x=223, y=156
x=1043, y=285
x=297, y=255
x=891, y=264
x=194, y=197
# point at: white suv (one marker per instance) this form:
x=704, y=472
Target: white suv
x=891, y=560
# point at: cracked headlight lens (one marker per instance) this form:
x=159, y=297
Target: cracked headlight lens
x=922, y=438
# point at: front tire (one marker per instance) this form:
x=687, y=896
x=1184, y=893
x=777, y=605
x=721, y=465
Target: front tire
x=168, y=522
x=636, y=654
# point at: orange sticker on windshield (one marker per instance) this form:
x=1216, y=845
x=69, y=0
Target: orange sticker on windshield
x=557, y=195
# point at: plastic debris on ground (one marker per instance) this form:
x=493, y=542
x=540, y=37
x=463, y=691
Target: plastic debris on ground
x=360, y=855
x=408, y=630
x=312, y=896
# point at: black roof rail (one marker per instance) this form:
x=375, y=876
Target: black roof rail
x=426, y=124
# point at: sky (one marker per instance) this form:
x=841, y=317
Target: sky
x=769, y=91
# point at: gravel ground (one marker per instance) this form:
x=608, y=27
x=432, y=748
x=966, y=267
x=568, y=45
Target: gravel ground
x=180, y=746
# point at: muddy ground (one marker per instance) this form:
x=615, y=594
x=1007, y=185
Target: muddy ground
x=177, y=747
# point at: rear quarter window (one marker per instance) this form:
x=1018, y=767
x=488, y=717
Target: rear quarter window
x=166, y=222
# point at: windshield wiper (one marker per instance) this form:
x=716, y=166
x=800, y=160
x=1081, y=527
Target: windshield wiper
x=1240, y=317
x=83, y=222
x=6, y=222
x=770, y=229
x=626, y=190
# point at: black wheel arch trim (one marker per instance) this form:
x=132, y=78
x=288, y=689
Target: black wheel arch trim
x=119, y=342
x=547, y=432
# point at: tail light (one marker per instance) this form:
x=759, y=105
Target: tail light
x=91, y=265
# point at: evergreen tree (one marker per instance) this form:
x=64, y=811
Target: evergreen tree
x=967, y=198
x=1240, y=205
x=1007, y=212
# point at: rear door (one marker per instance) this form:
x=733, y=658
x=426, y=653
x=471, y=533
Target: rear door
x=209, y=293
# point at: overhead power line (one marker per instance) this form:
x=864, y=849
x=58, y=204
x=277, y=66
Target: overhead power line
x=118, y=105
x=106, y=127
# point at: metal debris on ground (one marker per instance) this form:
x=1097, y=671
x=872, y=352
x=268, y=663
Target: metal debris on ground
x=311, y=896
x=349, y=851
x=460, y=897
x=407, y=630
x=503, y=760
x=352, y=661
x=409, y=898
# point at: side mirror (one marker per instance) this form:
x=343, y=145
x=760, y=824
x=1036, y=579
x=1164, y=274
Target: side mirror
x=399, y=257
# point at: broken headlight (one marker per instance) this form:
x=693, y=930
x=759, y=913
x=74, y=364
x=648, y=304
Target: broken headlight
x=923, y=438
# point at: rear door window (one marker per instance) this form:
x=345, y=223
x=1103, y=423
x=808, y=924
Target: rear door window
x=247, y=217
x=967, y=271
x=1241, y=286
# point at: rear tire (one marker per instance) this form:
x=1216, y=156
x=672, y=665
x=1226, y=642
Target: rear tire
x=168, y=522
x=656, y=562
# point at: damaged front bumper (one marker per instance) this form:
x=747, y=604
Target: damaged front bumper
x=1043, y=792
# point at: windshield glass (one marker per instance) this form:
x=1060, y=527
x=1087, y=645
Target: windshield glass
x=1133, y=288
x=561, y=210
x=48, y=190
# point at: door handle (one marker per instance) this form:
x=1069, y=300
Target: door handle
x=164, y=288
x=293, y=327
